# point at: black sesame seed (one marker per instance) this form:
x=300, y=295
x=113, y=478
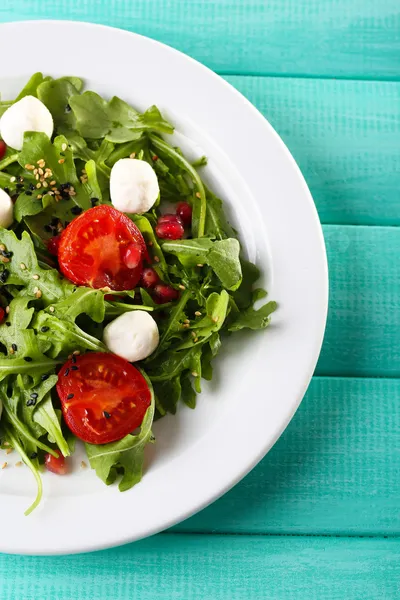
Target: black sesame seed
x=66, y=372
x=7, y=190
x=27, y=359
x=34, y=395
x=8, y=323
x=33, y=455
x=106, y=414
x=54, y=221
x=14, y=347
x=74, y=368
x=31, y=402
x=31, y=187
x=68, y=108
x=94, y=201
x=73, y=359
x=6, y=253
x=76, y=210
x=44, y=329
x=4, y=275
x=28, y=193
x=70, y=396
x=48, y=228
x=45, y=376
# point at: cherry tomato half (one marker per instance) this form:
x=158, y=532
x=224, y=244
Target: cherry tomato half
x=103, y=397
x=93, y=249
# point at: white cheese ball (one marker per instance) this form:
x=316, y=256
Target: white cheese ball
x=6, y=209
x=28, y=114
x=133, y=335
x=133, y=186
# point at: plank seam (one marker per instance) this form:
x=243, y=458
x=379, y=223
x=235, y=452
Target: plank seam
x=279, y=535
x=277, y=75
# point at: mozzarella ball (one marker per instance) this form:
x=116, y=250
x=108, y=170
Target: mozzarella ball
x=6, y=209
x=133, y=186
x=133, y=335
x=28, y=114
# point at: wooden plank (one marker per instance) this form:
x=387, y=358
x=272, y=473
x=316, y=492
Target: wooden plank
x=335, y=470
x=345, y=136
x=213, y=567
x=363, y=330
x=358, y=39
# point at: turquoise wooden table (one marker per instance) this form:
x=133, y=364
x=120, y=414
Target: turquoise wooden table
x=319, y=518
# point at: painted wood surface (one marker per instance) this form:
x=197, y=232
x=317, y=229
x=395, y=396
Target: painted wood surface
x=335, y=470
x=330, y=38
x=199, y=567
x=345, y=136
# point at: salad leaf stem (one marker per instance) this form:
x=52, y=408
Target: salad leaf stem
x=17, y=446
x=9, y=160
x=24, y=432
x=178, y=158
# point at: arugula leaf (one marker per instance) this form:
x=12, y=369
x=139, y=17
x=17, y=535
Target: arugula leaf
x=46, y=417
x=151, y=240
x=216, y=225
x=65, y=335
x=222, y=256
x=47, y=281
x=252, y=318
x=124, y=456
x=55, y=94
x=200, y=202
x=30, y=88
x=115, y=120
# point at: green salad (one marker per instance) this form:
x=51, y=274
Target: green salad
x=120, y=277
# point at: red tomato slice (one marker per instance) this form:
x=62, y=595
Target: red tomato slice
x=93, y=248
x=103, y=397
x=59, y=465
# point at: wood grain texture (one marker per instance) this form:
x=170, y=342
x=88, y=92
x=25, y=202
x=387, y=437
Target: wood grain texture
x=363, y=329
x=335, y=470
x=345, y=136
x=191, y=567
x=336, y=38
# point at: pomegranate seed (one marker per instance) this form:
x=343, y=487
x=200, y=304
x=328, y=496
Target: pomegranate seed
x=59, y=465
x=184, y=212
x=2, y=314
x=165, y=293
x=53, y=244
x=132, y=256
x=149, y=278
x=169, y=228
x=3, y=149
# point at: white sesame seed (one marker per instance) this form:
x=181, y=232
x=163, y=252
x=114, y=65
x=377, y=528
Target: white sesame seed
x=199, y=265
x=195, y=374
x=64, y=147
x=53, y=182
x=41, y=172
x=3, y=466
x=39, y=196
x=51, y=309
x=35, y=277
x=22, y=266
x=61, y=161
x=198, y=195
x=45, y=184
x=83, y=465
x=38, y=294
x=29, y=167
x=2, y=247
x=9, y=450
x=197, y=313
x=7, y=309
x=18, y=463
x=181, y=287
x=12, y=179
x=132, y=155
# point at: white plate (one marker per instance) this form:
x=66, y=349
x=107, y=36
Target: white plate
x=260, y=378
